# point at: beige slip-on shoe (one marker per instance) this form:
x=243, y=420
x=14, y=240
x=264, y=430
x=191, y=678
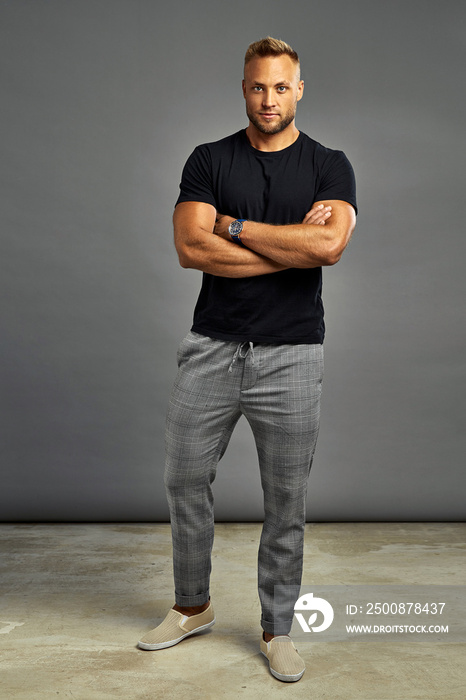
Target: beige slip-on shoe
x=176, y=627
x=284, y=661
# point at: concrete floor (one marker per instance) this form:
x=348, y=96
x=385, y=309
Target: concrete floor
x=76, y=598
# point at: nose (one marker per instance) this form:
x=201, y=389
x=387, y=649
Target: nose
x=268, y=98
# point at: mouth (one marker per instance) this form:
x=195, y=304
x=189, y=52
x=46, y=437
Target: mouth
x=268, y=115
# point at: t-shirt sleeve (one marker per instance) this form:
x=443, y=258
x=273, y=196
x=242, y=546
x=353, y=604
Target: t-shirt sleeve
x=337, y=180
x=196, y=180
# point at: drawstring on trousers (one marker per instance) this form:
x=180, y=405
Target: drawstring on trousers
x=249, y=347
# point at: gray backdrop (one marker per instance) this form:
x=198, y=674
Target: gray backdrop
x=102, y=102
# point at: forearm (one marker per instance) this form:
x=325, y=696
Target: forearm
x=319, y=239
x=294, y=245
x=223, y=258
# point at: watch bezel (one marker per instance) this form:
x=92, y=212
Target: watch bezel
x=235, y=228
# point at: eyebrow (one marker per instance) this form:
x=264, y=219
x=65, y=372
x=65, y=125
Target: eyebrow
x=280, y=82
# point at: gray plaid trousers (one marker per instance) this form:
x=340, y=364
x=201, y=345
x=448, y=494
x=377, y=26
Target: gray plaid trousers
x=277, y=388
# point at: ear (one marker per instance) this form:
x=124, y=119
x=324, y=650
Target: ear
x=244, y=88
x=300, y=89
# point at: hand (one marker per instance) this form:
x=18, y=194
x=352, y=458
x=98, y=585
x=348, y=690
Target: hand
x=222, y=223
x=318, y=215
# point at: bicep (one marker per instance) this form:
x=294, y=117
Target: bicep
x=192, y=220
x=339, y=228
x=343, y=219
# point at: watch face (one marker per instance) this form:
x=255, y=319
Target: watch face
x=235, y=228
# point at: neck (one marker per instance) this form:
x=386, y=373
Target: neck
x=272, y=142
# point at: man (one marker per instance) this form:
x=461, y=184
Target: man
x=260, y=212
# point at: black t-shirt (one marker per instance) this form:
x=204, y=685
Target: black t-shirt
x=277, y=187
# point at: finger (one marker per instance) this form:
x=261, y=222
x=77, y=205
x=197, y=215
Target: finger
x=318, y=215
x=323, y=218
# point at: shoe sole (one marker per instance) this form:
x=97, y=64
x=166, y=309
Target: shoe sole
x=281, y=676
x=172, y=642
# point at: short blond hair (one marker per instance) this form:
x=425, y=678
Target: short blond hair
x=270, y=47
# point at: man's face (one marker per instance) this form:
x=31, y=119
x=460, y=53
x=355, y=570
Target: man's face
x=272, y=89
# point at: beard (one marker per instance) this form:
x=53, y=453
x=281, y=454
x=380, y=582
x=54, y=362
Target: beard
x=275, y=128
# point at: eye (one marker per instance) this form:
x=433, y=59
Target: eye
x=282, y=88
x=256, y=88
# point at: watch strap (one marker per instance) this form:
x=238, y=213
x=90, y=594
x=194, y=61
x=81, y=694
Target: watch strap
x=235, y=237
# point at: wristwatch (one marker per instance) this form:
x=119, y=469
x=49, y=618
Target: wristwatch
x=235, y=229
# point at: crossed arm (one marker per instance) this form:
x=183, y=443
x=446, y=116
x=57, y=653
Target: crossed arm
x=203, y=242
